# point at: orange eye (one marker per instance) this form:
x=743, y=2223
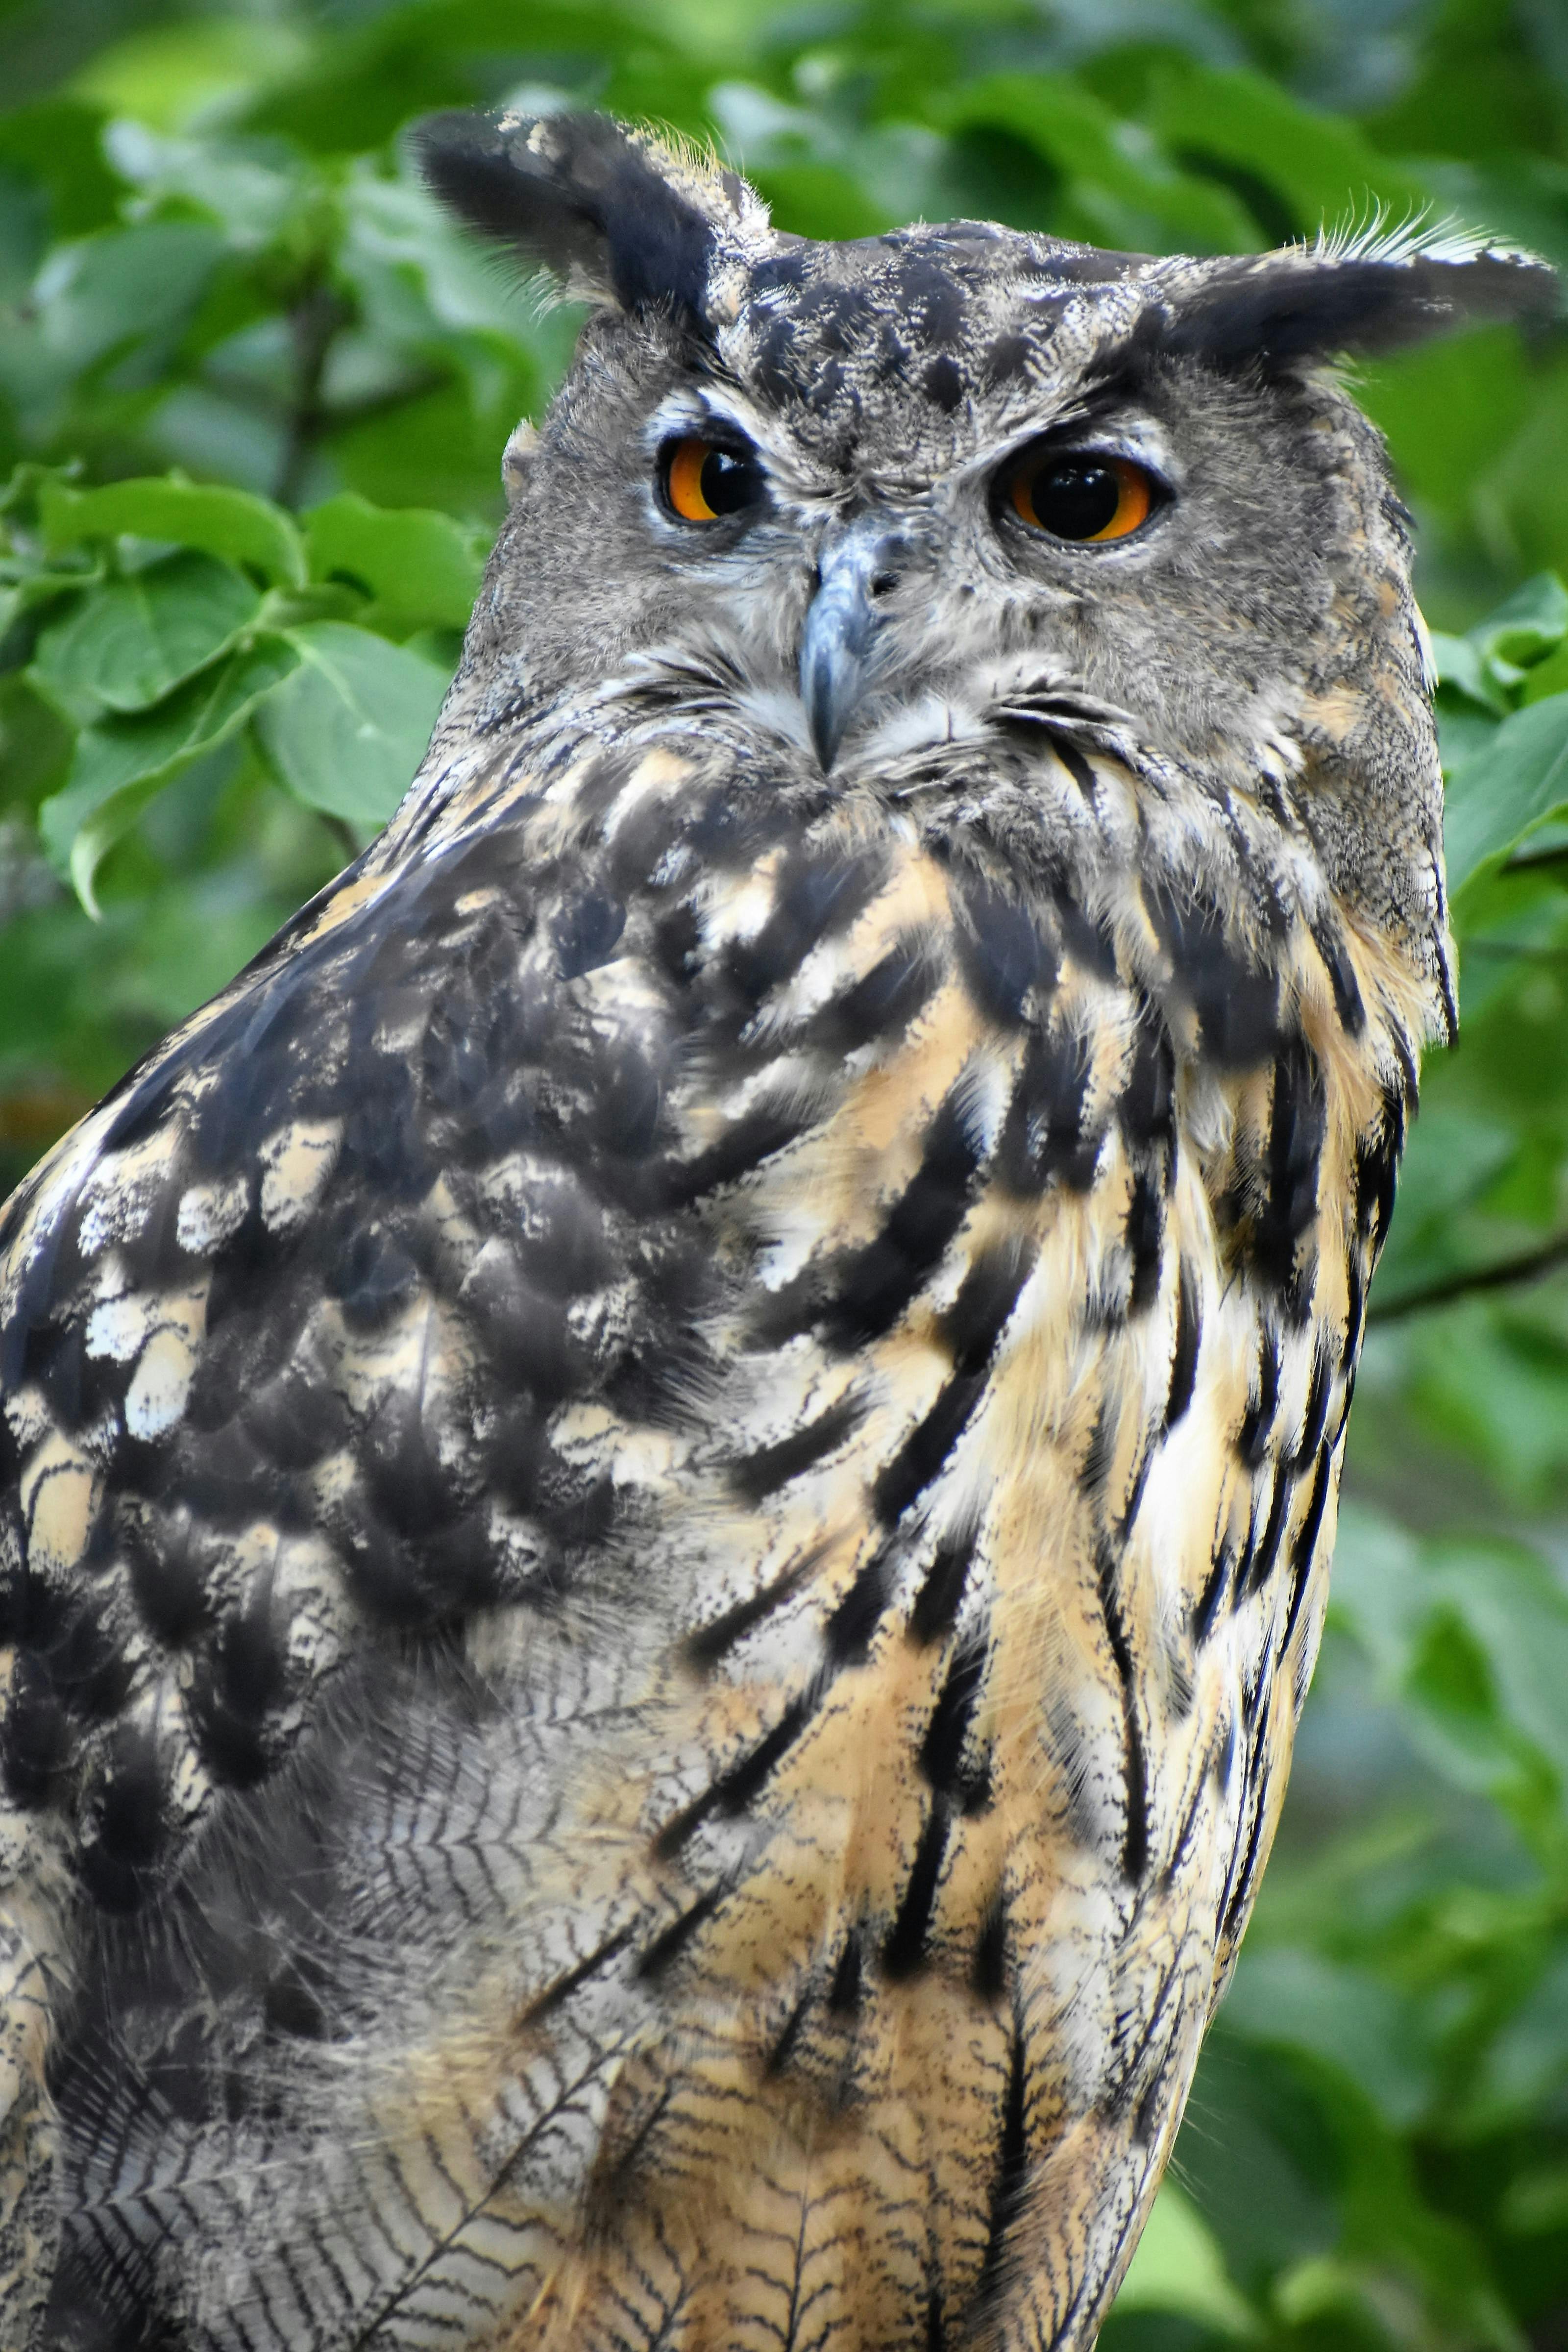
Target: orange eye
x=703, y=481
x=1082, y=499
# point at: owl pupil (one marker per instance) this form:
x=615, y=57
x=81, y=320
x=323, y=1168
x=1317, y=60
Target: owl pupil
x=1075, y=499
x=728, y=482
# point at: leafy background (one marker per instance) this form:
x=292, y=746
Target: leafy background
x=253, y=393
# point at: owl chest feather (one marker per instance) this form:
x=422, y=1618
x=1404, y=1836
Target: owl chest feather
x=705, y=1427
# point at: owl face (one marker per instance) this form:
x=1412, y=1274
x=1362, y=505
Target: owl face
x=874, y=498
x=879, y=569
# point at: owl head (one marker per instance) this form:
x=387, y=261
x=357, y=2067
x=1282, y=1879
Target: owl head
x=874, y=494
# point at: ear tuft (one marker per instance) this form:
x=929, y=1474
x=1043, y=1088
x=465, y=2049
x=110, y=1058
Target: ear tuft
x=615, y=214
x=1368, y=294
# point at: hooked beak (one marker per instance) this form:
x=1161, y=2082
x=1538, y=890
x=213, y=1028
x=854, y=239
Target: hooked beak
x=844, y=619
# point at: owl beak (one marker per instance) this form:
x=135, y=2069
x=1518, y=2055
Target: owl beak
x=844, y=620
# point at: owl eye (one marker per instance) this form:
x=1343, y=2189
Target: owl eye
x=703, y=481
x=1082, y=498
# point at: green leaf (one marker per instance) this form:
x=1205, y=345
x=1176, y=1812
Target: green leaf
x=170, y=75
x=35, y=745
x=56, y=144
x=1515, y=782
x=120, y=764
x=123, y=287
x=25, y=584
x=131, y=641
x=1319, y=166
x=1462, y=665
x=1528, y=2059
x=1548, y=677
x=251, y=199
x=420, y=569
x=1119, y=176
x=1452, y=1157
x=1298, y=2000
x=1526, y=625
x=233, y=524
x=348, y=729
x=1179, y=2267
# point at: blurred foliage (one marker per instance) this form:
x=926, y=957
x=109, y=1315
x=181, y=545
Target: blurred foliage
x=253, y=393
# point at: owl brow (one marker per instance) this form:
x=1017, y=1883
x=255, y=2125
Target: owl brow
x=1096, y=405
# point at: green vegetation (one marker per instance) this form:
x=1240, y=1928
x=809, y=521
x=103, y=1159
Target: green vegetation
x=253, y=394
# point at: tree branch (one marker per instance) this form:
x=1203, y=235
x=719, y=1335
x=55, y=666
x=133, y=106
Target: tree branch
x=314, y=322
x=1528, y=1267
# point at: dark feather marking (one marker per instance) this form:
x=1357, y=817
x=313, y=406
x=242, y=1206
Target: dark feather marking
x=1088, y=939
x=943, y=381
x=1151, y=2109
x=1241, y=1885
x=556, y=1995
x=1297, y=1126
x=36, y=1741
x=941, y=1595
x=1001, y=953
x=988, y=1970
x=921, y=1458
x=1237, y=1002
x=1329, y=942
x=973, y=1325
x=1139, y=1481
x=126, y=1828
x=586, y=931
x=1043, y=1134
x=904, y=1948
x=1135, y=1837
x=1355, y=1309
x=246, y=1682
x=1076, y=766
x=769, y=1467
x=783, y=2049
x=846, y=1990
x=754, y=1136
x=846, y=1636
x=671, y=1941
x=1377, y=1171
x=878, y=1283
x=1009, y=2186
x=1184, y=1355
x=1100, y=1452
x=1263, y=1404
x=86, y=1657
x=1316, y=1412
x=882, y=1002
x=734, y=1789
x=1146, y=1108
x=1182, y=1844
x=942, y=1750
x=1306, y=1543
x=374, y=1279
x=710, y=1642
x=1261, y=1566
x=1145, y=1234
x=818, y=898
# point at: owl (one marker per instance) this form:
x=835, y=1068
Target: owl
x=668, y=1484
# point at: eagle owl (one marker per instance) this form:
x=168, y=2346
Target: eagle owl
x=668, y=1484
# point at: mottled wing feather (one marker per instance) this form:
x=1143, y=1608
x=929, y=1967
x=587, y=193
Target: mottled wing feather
x=674, y=1485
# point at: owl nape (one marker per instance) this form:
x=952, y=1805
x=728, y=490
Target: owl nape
x=668, y=1484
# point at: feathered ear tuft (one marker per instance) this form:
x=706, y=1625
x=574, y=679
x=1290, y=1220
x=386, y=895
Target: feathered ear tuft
x=615, y=214
x=1373, y=293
